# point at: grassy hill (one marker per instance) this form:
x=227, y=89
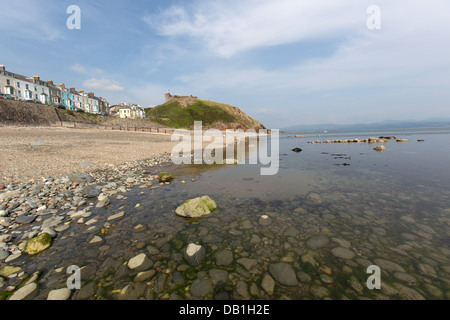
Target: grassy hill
x=182, y=114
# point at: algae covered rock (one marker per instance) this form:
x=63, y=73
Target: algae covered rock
x=165, y=177
x=9, y=270
x=197, y=207
x=38, y=243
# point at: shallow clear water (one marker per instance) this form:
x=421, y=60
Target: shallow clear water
x=390, y=209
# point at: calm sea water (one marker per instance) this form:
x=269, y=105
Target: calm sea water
x=390, y=209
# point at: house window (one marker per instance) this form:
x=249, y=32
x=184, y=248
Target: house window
x=27, y=87
x=18, y=84
x=7, y=82
x=19, y=93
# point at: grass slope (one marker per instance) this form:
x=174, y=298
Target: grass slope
x=212, y=114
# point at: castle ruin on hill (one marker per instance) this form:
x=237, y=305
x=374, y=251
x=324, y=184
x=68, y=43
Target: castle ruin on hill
x=170, y=97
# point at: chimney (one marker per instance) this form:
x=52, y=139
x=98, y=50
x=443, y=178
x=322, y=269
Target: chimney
x=2, y=67
x=50, y=82
x=81, y=91
x=62, y=85
x=36, y=79
x=91, y=95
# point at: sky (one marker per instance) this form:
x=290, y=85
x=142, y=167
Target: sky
x=283, y=62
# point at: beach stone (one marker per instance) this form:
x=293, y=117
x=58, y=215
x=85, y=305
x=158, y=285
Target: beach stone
x=265, y=220
x=6, y=271
x=132, y=291
x=13, y=257
x=355, y=284
x=116, y=216
x=194, y=254
x=291, y=231
x=223, y=257
x=80, y=178
x=3, y=254
x=9, y=195
x=96, y=240
x=379, y=148
x=318, y=291
x=28, y=291
x=268, y=284
x=152, y=250
x=317, y=242
x=246, y=224
x=103, y=201
x=388, y=265
x=283, y=273
x=59, y=294
x=427, y=270
x=38, y=244
x=405, y=278
x=200, y=287
x=144, y=275
x=140, y=262
x=326, y=279
x=197, y=207
x=343, y=253
x=5, y=238
x=247, y=263
x=304, y=277
x=25, y=219
x=342, y=243
x=408, y=293
x=315, y=198
x=50, y=231
x=218, y=276
x=87, y=290
x=242, y=289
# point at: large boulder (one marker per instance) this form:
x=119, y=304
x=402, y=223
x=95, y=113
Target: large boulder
x=197, y=207
x=38, y=243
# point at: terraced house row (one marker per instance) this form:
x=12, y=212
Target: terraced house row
x=19, y=87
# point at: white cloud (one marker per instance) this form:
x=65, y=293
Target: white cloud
x=102, y=84
x=78, y=68
x=230, y=27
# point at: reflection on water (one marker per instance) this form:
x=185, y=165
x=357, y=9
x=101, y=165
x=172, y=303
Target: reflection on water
x=326, y=223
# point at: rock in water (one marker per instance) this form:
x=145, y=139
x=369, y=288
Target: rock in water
x=297, y=150
x=194, y=254
x=197, y=207
x=140, y=262
x=26, y=292
x=379, y=148
x=59, y=294
x=343, y=253
x=283, y=274
x=165, y=177
x=102, y=201
x=38, y=243
x=315, y=198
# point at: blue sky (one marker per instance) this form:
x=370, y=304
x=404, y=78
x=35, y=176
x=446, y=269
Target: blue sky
x=284, y=62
